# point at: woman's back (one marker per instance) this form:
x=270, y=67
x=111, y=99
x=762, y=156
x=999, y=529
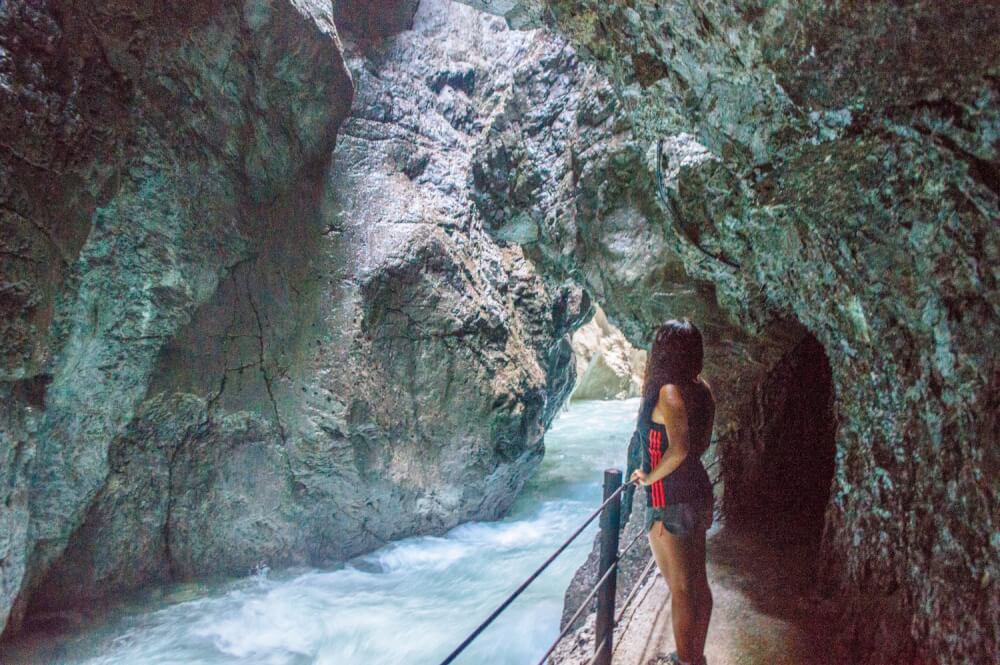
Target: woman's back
x=689, y=481
x=699, y=409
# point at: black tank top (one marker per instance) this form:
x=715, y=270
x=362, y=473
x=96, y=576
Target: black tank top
x=689, y=481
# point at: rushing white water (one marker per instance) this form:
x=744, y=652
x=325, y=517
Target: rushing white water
x=411, y=601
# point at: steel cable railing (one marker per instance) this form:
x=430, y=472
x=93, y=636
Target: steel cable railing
x=524, y=585
x=586, y=601
x=597, y=654
x=605, y=640
x=638, y=583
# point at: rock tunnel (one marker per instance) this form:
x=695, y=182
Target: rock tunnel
x=778, y=465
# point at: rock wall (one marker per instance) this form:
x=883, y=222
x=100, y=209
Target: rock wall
x=226, y=344
x=561, y=174
x=607, y=366
x=832, y=167
x=145, y=154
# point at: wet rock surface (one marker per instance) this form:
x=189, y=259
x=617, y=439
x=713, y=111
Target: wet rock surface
x=607, y=366
x=145, y=154
x=833, y=166
x=199, y=290
x=253, y=349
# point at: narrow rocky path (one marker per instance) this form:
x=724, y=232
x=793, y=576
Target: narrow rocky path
x=766, y=611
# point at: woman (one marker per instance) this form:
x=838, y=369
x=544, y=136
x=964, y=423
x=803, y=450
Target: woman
x=675, y=417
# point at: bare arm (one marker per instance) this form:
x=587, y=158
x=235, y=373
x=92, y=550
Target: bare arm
x=671, y=404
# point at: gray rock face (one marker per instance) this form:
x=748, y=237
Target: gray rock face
x=607, y=366
x=145, y=153
x=562, y=175
x=832, y=166
x=257, y=355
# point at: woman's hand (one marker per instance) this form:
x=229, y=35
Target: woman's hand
x=638, y=475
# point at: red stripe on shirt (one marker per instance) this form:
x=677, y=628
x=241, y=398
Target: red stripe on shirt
x=659, y=458
x=656, y=455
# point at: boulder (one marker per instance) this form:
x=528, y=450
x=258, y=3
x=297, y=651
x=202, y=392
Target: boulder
x=607, y=366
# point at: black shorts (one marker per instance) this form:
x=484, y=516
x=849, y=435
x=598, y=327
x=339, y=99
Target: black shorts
x=680, y=519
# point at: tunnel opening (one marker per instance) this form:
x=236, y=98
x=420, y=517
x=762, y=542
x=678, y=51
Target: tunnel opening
x=779, y=466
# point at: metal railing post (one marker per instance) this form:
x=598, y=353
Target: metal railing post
x=609, y=553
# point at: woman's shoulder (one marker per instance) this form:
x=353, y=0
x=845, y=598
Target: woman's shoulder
x=673, y=391
x=670, y=395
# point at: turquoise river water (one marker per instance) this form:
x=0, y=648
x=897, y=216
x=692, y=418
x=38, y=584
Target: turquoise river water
x=411, y=601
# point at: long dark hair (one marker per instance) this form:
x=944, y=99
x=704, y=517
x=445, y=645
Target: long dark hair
x=676, y=357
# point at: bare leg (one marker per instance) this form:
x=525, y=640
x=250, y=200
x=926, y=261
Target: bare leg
x=677, y=559
x=705, y=600
x=703, y=594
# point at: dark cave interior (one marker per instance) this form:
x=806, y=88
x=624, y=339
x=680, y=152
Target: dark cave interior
x=779, y=468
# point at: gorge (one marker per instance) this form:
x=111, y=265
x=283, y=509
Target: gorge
x=275, y=274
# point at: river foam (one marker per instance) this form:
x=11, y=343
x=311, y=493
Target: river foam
x=411, y=601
